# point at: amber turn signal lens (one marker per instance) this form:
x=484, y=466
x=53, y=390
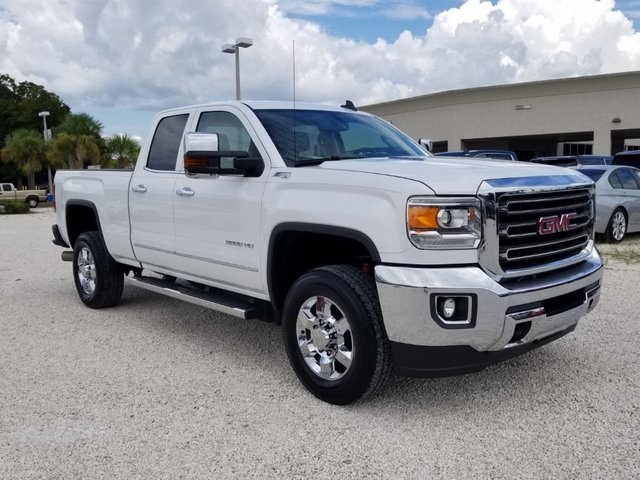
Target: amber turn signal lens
x=190, y=162
x=422, y=218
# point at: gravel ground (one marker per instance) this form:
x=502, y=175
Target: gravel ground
x=156, y=388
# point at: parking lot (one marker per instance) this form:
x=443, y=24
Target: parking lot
x=155, y=388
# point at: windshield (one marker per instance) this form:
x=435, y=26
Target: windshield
x=307, y=137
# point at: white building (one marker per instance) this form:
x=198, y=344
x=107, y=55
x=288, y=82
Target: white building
x=596, y=114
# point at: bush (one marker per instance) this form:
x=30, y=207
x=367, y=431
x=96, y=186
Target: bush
x=14, y=207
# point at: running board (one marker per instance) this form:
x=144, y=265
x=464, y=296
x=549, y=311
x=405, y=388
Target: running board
x=231, y=304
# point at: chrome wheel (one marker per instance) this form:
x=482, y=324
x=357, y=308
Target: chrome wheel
x=324, y=338
x=86, y=271
x=334, y=334
x=98, y=278
x=618, y=226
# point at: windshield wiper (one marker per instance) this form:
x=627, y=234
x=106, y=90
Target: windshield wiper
x=318, y=161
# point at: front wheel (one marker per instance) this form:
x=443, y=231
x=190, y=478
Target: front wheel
x=334, y=334
x=99, y=279
x=617, y=227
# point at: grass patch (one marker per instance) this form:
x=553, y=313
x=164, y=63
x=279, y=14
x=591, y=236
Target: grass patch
x=626, y=256
x=627, y=251
x=12, y=207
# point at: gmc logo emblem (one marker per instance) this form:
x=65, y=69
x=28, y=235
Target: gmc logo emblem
x=556, y=223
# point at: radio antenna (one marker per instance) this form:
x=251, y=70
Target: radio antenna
x=294, y=71
x=295, y=145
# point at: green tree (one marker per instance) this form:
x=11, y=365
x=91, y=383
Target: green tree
x=27, y=150
x=122, y=151
x=77, y=141
x=81, y=124
x=20, y=104
x=73, y=151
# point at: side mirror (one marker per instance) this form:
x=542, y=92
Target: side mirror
x=426, y=144
x=203, y=156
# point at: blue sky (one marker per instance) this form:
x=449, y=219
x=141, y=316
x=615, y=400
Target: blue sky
x=369, y=22
x=122, y=61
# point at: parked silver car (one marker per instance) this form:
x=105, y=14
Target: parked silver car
x=617, y=199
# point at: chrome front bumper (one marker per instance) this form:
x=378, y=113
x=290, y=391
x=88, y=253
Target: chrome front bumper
x=546, y=305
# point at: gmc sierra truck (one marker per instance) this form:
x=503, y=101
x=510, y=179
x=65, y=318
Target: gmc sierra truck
x=374, y=256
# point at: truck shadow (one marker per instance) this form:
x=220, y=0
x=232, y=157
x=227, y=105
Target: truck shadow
x=245, y=346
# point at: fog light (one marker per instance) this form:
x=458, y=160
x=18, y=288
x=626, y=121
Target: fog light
x=454, y=310
x=448, y=308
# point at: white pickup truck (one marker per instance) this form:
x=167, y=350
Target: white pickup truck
x=374, y=255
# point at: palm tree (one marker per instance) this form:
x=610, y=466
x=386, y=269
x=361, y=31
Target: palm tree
x=73, y=151
x=25, y=148
x=81, y=124
x=77, y=141
x=122, y=150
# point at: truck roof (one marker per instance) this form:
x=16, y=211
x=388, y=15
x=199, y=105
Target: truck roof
x=266, y=105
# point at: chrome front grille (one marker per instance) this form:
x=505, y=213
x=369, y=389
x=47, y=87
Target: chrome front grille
x=535, y=229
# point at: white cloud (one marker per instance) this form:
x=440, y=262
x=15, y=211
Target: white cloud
x=127, y=53
x=321, y=7
x=394, y=9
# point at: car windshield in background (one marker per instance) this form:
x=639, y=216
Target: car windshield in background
x=308, y=137
x=592, y=173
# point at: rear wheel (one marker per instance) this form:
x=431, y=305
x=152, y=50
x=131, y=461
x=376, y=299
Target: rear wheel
x=334, y=334
x=99, y=279
x=32, y=202
x=617, y=227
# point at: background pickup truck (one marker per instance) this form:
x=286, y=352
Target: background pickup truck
x=31, y=197
x=373, y=255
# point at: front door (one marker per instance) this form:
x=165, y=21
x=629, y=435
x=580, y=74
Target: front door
x=218, y=217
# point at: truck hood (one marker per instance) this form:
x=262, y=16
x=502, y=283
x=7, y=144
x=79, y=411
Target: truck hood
x=453, y=175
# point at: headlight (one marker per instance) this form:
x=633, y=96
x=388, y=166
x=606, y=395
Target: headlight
x=444, y=223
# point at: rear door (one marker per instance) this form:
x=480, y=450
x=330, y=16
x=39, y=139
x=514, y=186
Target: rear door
x=151, y=195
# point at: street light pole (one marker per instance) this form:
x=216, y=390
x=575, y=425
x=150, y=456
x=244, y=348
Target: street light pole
x=242, y=42
x=45, y=132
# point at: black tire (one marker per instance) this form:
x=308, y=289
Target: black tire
x=32, y=202
x=617, y=226
x=98, y=278
x=351, y=296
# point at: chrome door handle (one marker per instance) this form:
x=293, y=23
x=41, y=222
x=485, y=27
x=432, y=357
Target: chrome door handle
x=186, y=192
x=139, y=189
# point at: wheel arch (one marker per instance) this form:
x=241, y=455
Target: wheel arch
x=81, y=216
x=608, y=233
x=310, y=246
x=624, y=211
